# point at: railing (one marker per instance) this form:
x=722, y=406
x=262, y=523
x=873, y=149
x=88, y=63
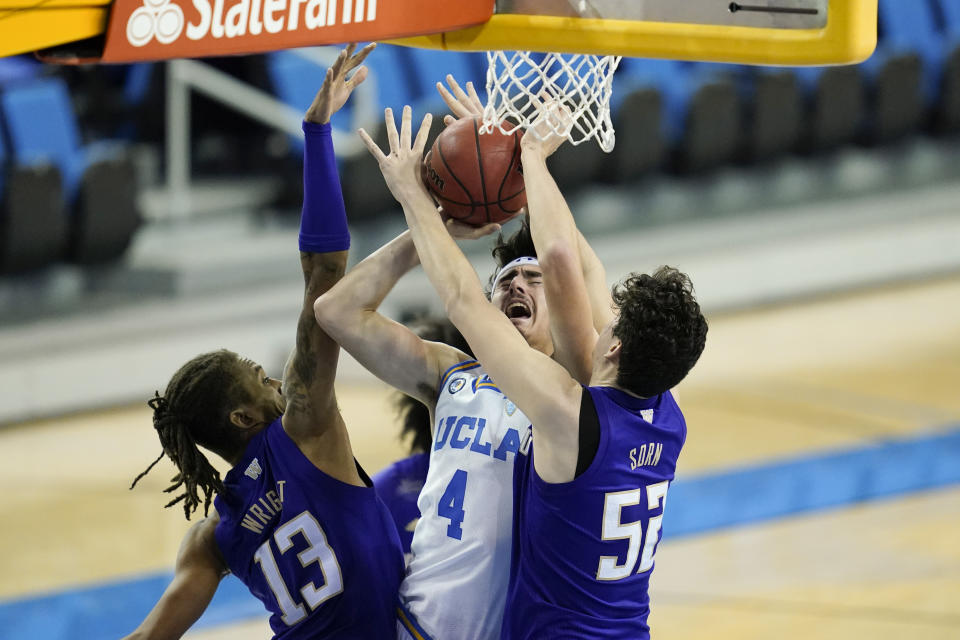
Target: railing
x=186, y=75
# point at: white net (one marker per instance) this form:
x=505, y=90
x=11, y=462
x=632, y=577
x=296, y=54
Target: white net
x=518, y=81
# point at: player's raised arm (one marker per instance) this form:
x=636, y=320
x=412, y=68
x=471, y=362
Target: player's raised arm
x=554, y=400
x=311, y=406
x=386, y=348
x=198, y=572
x=565, y=255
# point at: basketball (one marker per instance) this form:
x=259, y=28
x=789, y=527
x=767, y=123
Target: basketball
x=476, y=177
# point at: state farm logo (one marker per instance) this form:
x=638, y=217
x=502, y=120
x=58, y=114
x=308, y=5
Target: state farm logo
x=164, y=20
x=160, y=19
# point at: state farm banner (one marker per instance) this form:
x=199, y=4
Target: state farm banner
x=161, y=29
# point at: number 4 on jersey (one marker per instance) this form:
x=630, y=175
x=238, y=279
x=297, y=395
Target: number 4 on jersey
x=451, y=504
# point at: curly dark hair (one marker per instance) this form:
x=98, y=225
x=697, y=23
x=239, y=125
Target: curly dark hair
x=661, y=328
x=508, y=249
x=413, y=414
x=195, y=410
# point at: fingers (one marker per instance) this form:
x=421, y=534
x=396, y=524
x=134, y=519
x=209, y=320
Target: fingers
x=487, y=229
x=474, y=98
x=371, y=145
x=455, y=107
x=359, y=76
x=357, y=60
x=346, y=61
x=338, y=64
x=463, y=231
x=400, y=141
x=462, y=103
x=421, y=142
x=405, y=127
x=392, y=137
x=468, y=98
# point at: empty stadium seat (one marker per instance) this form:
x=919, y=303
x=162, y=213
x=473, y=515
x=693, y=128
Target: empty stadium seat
x=636, y=110
x=701, y=110
x=17, y=69
x=98, y=180
x=773, y=111
x=32, y=218
x=835, y=106
x=947, y=108
x=899, y=71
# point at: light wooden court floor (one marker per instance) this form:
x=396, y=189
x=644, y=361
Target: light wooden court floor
x=773, y=384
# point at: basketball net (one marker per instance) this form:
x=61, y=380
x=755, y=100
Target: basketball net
x=518, y=81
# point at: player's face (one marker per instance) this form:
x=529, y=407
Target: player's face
x=519, y=295
x=264, y=391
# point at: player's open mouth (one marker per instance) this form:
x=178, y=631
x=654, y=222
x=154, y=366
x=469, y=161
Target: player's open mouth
x=518, y=310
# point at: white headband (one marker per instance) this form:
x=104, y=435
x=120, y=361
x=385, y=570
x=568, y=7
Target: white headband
x=523, y=261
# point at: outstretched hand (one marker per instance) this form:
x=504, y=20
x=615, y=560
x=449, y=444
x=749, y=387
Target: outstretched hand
x=463, y=104
x=401, y=167
x=462, y=231
x=336, y=87
x=550, y=128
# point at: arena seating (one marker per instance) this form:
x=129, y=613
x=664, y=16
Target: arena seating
x=32, y=217
x=834, y=106
x=947, y=108
x=773, y=112
x=682, y=117
x=895, y=75
x=637, y=112
x=99, y=184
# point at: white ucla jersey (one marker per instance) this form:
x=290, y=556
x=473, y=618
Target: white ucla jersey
x=456, y=582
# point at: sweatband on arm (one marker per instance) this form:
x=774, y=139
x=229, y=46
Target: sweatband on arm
x=323, y=222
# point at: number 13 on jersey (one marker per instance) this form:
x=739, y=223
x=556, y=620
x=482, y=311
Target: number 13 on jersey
x=615, y=529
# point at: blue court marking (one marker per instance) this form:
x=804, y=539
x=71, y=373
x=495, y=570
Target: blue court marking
x=696, y=504
x=762, y=492
x=110, y=611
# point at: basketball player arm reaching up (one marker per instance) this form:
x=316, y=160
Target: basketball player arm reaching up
x=311, y=417
x=554, y=399
x=311, y=414
x=388, y=349
x=562, y=250
x=577, y=313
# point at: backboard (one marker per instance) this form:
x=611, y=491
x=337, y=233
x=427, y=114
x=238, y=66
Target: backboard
x=764, y=32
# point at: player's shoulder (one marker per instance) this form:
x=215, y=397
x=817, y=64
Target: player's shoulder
x=200, y=543
x=459, y=368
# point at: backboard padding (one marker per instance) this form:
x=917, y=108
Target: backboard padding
x=849, y=35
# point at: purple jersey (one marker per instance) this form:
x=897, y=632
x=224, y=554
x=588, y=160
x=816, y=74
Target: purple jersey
x=399, y=487
x=583, y=550
x=322, y=555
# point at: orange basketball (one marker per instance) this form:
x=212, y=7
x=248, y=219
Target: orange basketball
x=476, y=177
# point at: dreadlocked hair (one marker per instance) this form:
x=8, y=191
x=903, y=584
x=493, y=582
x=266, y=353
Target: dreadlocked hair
x=517, y=245
x=413, y=414
x=661, y=328
x=194, y=410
